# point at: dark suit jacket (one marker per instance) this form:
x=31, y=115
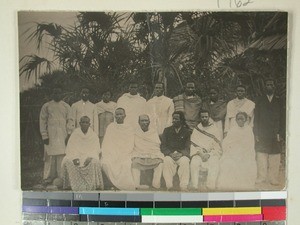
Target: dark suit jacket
x=268, y=122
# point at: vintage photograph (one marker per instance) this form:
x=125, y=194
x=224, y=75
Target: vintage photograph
x=153, y=101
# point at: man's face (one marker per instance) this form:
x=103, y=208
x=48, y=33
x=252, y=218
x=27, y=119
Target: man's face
x=57, y=95
x=159, y=89
x=240, y=92
x=190, y=89
x=240, y=120
x=204, y=118
x=85, y=94
x=176, y=120
x=84, y=124
x=270, y=87
x=144, y=122
x=120, y=116
x=213, y=94
x=133, y=89
x=106, y=97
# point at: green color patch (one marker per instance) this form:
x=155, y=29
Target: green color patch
x=171, y=211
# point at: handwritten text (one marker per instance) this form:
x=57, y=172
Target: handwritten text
x=233, y=3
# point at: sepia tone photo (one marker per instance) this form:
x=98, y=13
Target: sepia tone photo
x=153, y=101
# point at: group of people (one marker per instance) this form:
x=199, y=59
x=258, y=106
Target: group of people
x=236, y=144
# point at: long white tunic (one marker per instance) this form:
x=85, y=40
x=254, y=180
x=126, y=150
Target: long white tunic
x=160, y=110
x=80, y=109
x=54, y=118
x=134, y=106
x=117, y=148
x=238, y=165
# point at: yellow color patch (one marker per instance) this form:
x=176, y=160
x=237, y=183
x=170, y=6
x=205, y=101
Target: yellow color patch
x=231, y=211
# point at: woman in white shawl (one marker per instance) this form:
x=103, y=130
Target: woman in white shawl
x=238, y=165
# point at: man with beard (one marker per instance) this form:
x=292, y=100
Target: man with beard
x=146, y=153
x=216, y=108
x=205, y=151
x=190, y=104
x=175, y=145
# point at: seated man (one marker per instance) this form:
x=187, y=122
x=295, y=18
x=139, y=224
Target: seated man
x=81, y=166
x=117, y=149
x=175, y=145
x=146, y=153
x=205, y=151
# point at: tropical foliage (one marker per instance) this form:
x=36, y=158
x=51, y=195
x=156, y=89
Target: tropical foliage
x=104, y=51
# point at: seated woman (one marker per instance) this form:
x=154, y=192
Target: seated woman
x=81, y=167
x=237, y=164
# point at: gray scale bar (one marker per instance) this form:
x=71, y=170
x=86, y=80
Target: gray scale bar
x=194, y=197
x=86, y=197
x=144, y=197
x=223, y=196
x=48, y=195
x=113, y=197
x=169, y=197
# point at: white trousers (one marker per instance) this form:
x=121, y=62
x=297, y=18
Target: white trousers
x=212, y=166
x=170, y=169
x=157, y=172
x=267, y=167
x=52, y=166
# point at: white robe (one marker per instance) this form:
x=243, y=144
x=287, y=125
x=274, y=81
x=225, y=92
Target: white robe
x=205, y=140
x=80, y=109
x=134, y=106
x=147, y=144
x=200, y=141
x=55, y=125
x=117, y=148
x=82, y=146
x=238, y=165
x=238, y=105
x=160, y=110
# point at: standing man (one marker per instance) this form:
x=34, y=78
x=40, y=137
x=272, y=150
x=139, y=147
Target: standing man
x=85, y=108
x=133, y=104
x=105, y=109
x=190, y=104
x=81, y=166
x=239, y=104
x=117, y=149
x=267, y=130
x=146, y=153
x=205, y=151
x=216, y=108
x=160, y=109
x=55, y=116
x=175, y=145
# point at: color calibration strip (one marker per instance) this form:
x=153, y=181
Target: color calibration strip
x=211, y=208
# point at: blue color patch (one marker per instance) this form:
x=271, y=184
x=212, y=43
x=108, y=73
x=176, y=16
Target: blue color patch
x=109, y=211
